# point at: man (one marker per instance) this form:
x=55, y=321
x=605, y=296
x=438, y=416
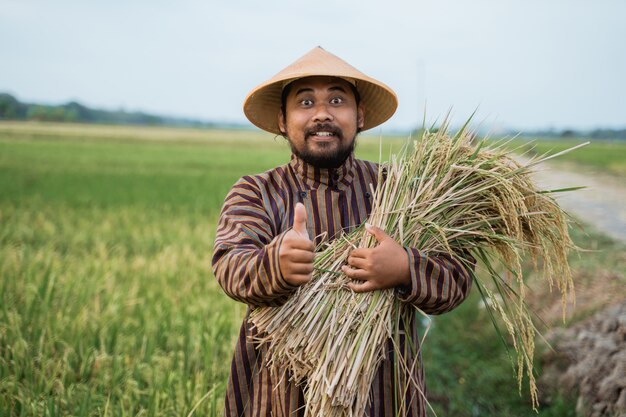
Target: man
x=271, y=223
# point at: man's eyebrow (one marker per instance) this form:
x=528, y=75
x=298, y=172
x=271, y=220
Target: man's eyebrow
x=304, y=90
x=338, y=88
x=310, y=90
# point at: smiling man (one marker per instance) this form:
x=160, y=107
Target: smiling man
x=271, y=223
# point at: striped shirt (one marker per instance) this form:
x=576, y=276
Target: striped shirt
x=257, y=212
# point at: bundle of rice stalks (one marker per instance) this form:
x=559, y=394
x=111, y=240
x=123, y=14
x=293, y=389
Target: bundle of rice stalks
x=443, y=194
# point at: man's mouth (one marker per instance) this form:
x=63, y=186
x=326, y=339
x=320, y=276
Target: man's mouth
x=324, y=133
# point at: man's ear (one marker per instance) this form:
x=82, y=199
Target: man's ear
x=281, y=122
x=360, y=116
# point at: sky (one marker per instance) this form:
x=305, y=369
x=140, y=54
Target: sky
x=527, y=64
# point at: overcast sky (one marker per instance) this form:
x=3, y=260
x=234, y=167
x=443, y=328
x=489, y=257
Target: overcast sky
x=525, y=64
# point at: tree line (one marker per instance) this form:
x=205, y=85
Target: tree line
x=12, y=109
x=73, y=112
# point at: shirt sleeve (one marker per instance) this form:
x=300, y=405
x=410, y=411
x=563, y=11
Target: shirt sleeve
x=439, y=282
x=245, y=256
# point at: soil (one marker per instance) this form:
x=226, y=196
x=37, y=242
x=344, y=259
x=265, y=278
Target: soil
x=588, y=364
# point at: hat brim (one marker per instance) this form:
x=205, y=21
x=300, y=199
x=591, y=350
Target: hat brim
x=263, y=103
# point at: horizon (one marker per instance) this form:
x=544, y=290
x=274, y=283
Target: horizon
x=247, y=125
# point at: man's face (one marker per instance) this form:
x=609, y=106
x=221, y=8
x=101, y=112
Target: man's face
x=322, y=120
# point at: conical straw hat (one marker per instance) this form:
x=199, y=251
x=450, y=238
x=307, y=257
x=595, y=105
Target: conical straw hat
x=262, y=105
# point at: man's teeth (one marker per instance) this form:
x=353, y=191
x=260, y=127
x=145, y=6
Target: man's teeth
x=324, y=134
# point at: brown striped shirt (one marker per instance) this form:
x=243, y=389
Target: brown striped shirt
x=257, y=212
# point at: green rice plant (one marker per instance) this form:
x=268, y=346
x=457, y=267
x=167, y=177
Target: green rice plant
x=107, y=303
x=604, y=156
x=442, y=194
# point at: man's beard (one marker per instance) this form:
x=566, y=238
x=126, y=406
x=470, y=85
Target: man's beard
x=323, y=160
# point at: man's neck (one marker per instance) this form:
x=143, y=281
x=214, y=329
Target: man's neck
x=316, y=177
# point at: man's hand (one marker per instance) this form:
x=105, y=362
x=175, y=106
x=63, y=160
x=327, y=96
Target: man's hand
x=383, y=266
x=297, y=251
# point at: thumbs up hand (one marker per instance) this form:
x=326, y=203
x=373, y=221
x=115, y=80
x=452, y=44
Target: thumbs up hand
x=299, y=221
x=297, y=251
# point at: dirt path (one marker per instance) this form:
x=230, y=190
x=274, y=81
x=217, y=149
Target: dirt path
x=602, y=203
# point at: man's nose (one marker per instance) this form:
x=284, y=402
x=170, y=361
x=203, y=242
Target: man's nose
x=322, y=114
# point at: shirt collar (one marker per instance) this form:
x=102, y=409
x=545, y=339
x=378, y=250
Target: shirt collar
x=314, y=177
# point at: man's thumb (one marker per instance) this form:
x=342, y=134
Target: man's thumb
x=299, y=219
x=378, y=233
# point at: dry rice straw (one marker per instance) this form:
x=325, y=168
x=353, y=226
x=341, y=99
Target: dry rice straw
x=443, y=194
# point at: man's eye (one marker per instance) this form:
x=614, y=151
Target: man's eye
x=306, y=102
x=336, y=100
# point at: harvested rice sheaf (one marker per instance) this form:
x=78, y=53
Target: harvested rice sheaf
x=442, y=194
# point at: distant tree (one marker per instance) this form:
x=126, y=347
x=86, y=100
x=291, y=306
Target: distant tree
x=9, y=107
x=36, y=112
x=608, y=134
x=78, y=112
x=12, y=108
x=56, y=114
x=71, y=115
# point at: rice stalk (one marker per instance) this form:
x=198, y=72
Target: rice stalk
x=441, y=194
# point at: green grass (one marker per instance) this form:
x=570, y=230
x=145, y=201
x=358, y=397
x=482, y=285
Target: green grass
x=599, y=155
x=107, y=303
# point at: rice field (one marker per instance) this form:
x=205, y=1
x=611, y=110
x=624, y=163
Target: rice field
x=599, y=155
x=107, y=303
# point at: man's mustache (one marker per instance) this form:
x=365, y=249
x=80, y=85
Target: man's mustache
x=323, y=127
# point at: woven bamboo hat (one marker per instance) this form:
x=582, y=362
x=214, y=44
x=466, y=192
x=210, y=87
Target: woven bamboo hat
x=262, y=105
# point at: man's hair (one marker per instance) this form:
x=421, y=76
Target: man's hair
x=287, y=90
